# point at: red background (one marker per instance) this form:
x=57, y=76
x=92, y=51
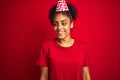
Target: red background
x=25, y=25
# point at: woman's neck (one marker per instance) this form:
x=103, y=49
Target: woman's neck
x=67, y=42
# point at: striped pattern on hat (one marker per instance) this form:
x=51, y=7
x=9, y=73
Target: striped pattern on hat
x=62, y=6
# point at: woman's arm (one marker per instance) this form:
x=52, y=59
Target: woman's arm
x=44, y=73
x=86, y=73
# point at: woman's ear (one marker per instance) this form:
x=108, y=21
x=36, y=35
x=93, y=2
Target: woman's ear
x=71, y=26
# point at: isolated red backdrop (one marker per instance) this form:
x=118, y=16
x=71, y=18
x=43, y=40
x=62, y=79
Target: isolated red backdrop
x=25, y=25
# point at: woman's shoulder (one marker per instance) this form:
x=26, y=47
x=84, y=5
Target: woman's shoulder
x=80, y=42
x=48, y=43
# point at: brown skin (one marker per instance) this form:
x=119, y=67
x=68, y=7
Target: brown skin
x=44, y=73
x=62, y=27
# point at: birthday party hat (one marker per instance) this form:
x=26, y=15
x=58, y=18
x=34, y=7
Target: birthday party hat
x=62, y=6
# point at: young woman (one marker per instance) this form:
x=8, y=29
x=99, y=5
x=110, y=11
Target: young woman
x=63, y=58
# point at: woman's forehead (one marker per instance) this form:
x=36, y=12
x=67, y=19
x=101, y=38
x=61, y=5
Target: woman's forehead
x=61, y=17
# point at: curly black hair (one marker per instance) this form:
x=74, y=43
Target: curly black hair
x=72, y=13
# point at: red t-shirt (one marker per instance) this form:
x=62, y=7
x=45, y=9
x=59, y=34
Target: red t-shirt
x=65, y=63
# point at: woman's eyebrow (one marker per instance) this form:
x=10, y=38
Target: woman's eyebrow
x=61, y=20
x=64, y=20
x=55, y=21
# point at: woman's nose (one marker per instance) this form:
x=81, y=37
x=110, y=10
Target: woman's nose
x=59, y=26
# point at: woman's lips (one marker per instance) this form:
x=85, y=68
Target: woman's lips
x=60, y=32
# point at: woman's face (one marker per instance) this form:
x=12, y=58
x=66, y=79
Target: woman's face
x=62, y=25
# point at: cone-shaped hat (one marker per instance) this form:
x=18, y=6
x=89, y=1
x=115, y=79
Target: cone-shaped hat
x=62, y=6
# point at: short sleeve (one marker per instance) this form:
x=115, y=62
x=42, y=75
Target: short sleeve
x=86, y=56
x=42, y=59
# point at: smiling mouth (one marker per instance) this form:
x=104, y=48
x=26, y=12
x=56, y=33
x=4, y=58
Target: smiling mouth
x=60, y=32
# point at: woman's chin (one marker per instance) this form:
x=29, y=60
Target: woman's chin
x=60, y=37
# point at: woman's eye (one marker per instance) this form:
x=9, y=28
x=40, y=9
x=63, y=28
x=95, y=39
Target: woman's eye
x=64, y=24
x=54, y=24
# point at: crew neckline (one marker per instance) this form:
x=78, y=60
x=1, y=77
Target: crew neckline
x=63, y=46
